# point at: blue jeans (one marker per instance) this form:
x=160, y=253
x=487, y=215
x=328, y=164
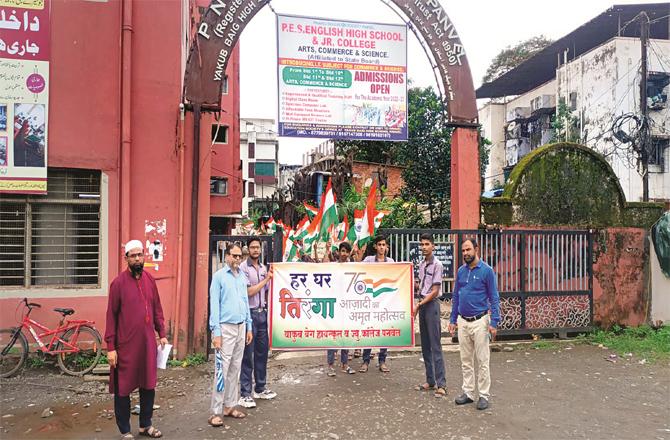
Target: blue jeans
x=344, y=357
x=430, y=328
x=255, y=355
x=368, y=352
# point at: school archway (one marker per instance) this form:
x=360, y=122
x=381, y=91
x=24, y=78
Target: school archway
x=224, y=21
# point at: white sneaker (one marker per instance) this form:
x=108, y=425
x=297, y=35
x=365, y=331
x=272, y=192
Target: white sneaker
x=247, y=402
x=266, y=394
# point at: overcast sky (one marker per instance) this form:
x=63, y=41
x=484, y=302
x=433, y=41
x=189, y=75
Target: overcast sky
x=485, y=27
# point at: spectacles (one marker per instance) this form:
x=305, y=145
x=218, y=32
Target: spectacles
x=236, y=255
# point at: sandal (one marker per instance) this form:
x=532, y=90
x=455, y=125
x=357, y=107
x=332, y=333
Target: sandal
x=127, y=436
x=348, y=370
x=383, y=368
x=212, y=422
x=364, y=368
x=151, y=432
x=235, y=414
x=440, y=392
x=331, y=372
x=424, y=387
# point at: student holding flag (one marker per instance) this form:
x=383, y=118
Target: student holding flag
x=255, y=358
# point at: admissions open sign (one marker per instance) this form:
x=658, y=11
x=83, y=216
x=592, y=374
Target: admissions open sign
x=342, y=79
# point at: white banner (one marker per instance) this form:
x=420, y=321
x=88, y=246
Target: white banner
x=341, y=79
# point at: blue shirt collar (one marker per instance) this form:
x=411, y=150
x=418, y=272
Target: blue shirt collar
x=479, y=265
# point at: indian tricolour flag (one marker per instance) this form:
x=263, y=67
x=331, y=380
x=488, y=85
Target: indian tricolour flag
x=379, y=287
x=329, y=211
x=271, y=226
x=312, y=233
x=379, y=215
x=301, y=229
x=311, y=210
x=290, y=248
x=367, y=222
x=338, y=234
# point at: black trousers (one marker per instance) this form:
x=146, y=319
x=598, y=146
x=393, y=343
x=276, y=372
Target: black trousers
x=122, y=410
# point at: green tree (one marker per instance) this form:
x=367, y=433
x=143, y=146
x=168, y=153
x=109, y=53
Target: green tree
x=565, y=124
x=427, y=155
x=511, y=56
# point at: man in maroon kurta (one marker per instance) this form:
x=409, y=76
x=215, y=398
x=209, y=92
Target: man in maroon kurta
x=134, y=313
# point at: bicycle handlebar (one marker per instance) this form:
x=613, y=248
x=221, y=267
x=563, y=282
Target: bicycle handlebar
x=31, y=305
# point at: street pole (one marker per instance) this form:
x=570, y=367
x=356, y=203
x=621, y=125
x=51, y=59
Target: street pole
x=644, y=141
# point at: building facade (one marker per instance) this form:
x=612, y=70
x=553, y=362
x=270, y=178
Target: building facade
x=259, y=153
x=120, y=164
x=595, y=94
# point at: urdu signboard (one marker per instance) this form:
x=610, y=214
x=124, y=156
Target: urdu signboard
x=24, y=95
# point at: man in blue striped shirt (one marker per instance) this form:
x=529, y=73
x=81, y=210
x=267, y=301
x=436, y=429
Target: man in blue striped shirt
x=475, y=293
x=230, y=323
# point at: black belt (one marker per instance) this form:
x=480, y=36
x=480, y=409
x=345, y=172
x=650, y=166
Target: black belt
x=474, y=318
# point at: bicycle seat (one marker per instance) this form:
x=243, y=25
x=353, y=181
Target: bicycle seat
x=65, y=312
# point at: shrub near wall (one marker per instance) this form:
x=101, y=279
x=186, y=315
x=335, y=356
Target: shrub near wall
x=566, y=184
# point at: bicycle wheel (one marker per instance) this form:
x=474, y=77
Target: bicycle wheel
x=83, y=361
x=13, y=351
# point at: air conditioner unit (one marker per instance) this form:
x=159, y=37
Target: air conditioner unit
x=542, y=101
x=518, y=113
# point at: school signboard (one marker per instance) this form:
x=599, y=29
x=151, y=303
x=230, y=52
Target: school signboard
x=341, y=79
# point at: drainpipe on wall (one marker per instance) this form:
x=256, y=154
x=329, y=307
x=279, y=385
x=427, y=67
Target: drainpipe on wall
x=126, y=138
x=195, y=188
x=180, y=235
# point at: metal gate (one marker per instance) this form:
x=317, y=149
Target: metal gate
x=545, y=278
x=270, y=253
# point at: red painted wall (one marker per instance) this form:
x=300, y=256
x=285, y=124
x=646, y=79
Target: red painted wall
x=226, y=157
x=620, y=275
x=84, y=132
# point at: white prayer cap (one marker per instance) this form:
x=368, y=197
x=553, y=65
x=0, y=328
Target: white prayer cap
x=133, y=244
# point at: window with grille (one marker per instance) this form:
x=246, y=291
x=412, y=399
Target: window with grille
x=53, y=239
x=224, y=86
x=657, y=149
x=218, y=185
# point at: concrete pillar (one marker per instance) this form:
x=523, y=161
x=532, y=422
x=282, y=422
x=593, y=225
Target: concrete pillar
x=465, y=179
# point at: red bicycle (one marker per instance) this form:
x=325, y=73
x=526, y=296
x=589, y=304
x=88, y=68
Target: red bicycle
x=77, y=345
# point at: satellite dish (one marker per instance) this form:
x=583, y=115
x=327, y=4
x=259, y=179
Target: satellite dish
x=368, y=182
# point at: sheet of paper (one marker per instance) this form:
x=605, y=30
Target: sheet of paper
x=162, y=356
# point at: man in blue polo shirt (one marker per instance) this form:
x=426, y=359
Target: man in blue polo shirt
x=475, y=293
x=230, y=323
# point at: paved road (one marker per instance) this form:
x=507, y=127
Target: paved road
x=566, y=393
